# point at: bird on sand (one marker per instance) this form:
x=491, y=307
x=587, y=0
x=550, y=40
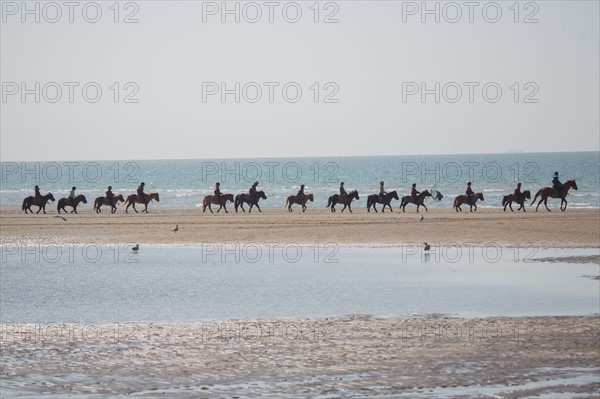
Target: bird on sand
x=422, y=218
x=135, y=249
x=176, y=229
x=427, y=247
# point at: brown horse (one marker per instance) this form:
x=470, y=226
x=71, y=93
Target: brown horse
x=347, y=200
x=29, y=201
x=463, y=199
x=248, y=199
x=99, y=201
x=292, y=199
x=548, y=192
x=211, y=199
x=73, y=203
x=134, y=199
x=507, y=200
x=376, y=199
x=419, y=201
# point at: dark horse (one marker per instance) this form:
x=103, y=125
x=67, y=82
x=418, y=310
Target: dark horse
x=73, y=203
x=408, y=199
x=376, y=199
x=293, y=199
x=133, y=199
x=347, y=200
x=548, y=192
x=463, y=199
x=99, y=201
x=507, y=200
x=27, y=202
x=248, y=199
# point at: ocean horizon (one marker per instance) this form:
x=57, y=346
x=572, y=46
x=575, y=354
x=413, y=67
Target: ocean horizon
x=184, y=182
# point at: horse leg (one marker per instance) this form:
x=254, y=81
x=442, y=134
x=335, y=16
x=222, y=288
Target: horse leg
x=510, y=206
x=39, y=209
x=546, y=204
x=425, y=207
x=350, y=207
x=561, y=204
x=133, y=205
x=418, y=205
x=225, y=207
x=539, y=203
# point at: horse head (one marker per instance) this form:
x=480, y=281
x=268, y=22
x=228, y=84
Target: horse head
x=479, y=196
x=571, y=183
x=261, y=194
x=354, y=194
x=527, y=194
x=394, y=195
x=82, y=198
x=425, y=193
x=50, y=197
x=310, y=197
x=119, y=198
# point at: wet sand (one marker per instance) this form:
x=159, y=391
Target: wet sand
x=339, y=357
x=573, y=228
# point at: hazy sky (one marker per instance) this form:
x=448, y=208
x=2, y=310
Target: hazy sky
x=370, y=68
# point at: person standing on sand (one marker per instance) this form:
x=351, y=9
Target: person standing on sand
x=469, y=193
x=518, y=193
x=140, y=192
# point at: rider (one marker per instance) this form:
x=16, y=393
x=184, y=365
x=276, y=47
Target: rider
x=109, y=196
x=72, y=195
x=217, y=192
x=518, y=193
x=37, y=196
x=469, y=193
x=300, y=194
x=140, y=192
x=556, y=184
x=252, y=192
x=343, y=193
x=414, y=193
x=382, y=192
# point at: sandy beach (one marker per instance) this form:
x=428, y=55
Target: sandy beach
x=338, y=357
x=573, y=228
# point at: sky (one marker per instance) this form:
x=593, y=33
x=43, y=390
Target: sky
x=185, y=80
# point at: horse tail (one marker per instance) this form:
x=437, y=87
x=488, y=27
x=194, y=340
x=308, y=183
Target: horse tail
x=95, y=204
x=24, y=204
x=455, y=204
x=504, y=200
x=329, y=202
x=286, y=203
x=535, y=197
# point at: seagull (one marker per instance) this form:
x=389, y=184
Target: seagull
x=62, y=217
x=422, y=218
x=135, y=249
x=427, y=247
x=176, y=228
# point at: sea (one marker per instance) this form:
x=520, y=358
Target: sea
x=183, y=183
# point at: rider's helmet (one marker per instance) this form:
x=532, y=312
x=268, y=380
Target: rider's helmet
x=469, y=183
x=37, y=187
x=255, y=183
x=302, y=186
x=381, y=183
x=555, y=173
x=342, y=183
x=414, y=185
x=142, y=184
x=74, y=188
x=519, y=184
x=217, y=184
x=110, y=187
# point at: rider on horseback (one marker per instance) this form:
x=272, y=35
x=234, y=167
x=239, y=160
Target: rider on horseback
x=37, y=196
x=300, y=194
x=343, y=193
x=414, y=193
x=218, y=194
x=556, y=184
x=382, y=192
x=252, y=192
x=72, y=196
x=110, y=196
x=518, y=193
x=141, y=194
x=469, y=193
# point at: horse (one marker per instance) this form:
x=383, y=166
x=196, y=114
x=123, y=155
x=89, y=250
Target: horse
x=463, y=199
x=27, y=202
x=133, y=199
x=507, y=200
x=99, y=201
x=420, y=200
x=73, y=203
x=293, y=199
x=375, y=199
x=347, y=201
x=248, y=199
x=211, y=199
x=548, y=192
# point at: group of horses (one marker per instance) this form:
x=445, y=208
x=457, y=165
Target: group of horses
x=384, y=199
x=131, y=200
